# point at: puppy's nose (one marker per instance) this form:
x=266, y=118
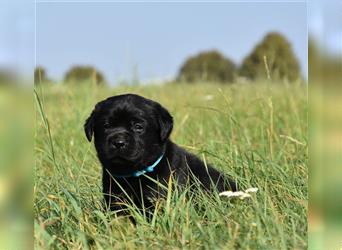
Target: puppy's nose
x=119, y=143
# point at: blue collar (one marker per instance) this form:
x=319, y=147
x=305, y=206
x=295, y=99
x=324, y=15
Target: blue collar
x=138, y=173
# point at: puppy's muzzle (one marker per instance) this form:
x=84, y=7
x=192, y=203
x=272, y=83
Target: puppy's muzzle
x=119, y=140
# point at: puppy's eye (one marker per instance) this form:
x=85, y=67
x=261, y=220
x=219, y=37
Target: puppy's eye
x=106, y=125
x=138, y=127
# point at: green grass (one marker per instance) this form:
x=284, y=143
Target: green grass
x=256, y=133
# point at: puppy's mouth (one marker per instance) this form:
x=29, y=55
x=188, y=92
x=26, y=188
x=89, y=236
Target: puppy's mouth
x=123, y=165
x=124, y=155
x=123, y=158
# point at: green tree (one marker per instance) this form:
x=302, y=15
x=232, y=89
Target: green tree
x=84, y=74
x=323, y=67
x=8, y=77
x=207, y=66
x=40, y=75
x=271, y=58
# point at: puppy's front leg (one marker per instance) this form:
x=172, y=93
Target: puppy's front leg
x=112, y=200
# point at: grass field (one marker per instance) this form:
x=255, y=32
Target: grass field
x=257, y=133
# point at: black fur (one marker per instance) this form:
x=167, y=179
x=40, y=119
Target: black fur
x=131, y=133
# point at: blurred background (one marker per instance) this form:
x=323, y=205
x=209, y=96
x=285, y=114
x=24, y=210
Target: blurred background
x=142, y=43
x=16, y=126
x=325, y=150
x=112, y=44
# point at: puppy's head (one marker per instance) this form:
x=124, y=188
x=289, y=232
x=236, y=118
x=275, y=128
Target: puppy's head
x=130, y=132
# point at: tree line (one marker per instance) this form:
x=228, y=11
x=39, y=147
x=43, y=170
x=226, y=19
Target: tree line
x=272, y=58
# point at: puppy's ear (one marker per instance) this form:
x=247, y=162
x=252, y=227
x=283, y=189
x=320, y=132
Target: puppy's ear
x=90, y=122
x=89, y=126
x=165, y=122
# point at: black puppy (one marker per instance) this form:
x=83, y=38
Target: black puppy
x=132, y=142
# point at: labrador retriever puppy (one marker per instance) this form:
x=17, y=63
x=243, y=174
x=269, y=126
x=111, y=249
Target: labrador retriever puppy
x=131, y=136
